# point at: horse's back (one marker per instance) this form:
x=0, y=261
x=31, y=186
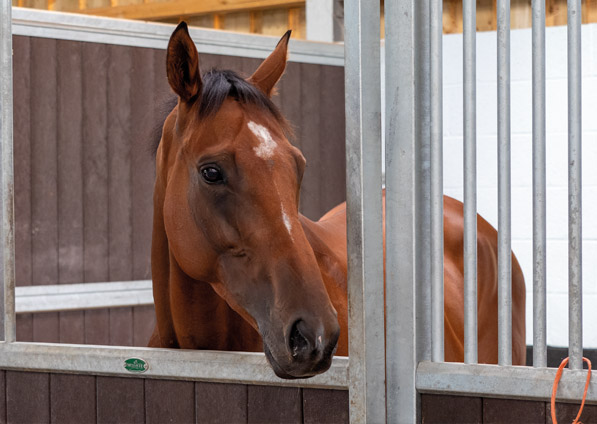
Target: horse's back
x=333, y=226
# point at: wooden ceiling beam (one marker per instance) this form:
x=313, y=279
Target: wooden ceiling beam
x=178, y=8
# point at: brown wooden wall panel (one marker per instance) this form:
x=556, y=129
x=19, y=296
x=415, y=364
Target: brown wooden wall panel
x=325, y=406
x=566, y=413
x=22, y=169
x=27, y=397
x=274, y=405
x=451, y=409
x=169, y=401
x=72, y=399
x=84, y=171
x=510, y=411
x=2, y=397
x=221, y=403
x=120, y=400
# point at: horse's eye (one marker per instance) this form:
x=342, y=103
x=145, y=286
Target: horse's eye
x=212, y=175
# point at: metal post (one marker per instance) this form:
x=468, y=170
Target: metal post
x=364, y=202
x=407, y=113
x=8, y=329
x=504, y=202
x=539, y=188
x=437, y=186
x=469, y=14
x=574, y=186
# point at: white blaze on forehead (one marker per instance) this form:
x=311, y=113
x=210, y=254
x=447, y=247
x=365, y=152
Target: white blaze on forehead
x=287, y=222
x=267, y=145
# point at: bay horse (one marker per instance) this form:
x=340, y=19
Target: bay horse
x=235, y=266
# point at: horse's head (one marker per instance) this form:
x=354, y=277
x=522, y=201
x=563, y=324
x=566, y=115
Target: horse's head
x=231, y=206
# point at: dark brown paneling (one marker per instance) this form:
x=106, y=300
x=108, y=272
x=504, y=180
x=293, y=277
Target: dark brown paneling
x=169, y=401
x=120, y=208
x=142, y=163
x=27, y=397
x=44, y=173
x=95, y=181
x=2, y=397
x=566, y=413
x=72, y=399
x=290, y=96
x=325, y=406
x=332, y=145
x=311, y=114
x=221, y=403
x=143, y=324
x=70, y=182
x=120, y=400
x=274, y=405
x=510, y=411
x=451, y=409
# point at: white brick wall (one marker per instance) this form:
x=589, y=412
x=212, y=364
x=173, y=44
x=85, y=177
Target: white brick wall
x=557, y=179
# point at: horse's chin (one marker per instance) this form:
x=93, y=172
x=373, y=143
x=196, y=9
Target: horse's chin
x=290, y=375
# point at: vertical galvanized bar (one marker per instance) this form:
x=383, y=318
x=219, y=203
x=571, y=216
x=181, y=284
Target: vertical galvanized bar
x=407, y=142
x=539, y=188
x=437, y=186
x=469, y=15
x=574, y=186
x=504, y=202
x=364, y=202
x=8, y=329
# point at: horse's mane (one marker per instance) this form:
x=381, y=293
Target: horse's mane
x=217, y=85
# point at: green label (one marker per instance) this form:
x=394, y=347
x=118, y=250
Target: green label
x=136, y=365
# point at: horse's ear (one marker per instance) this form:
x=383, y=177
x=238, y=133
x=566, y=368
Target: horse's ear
x=272, y=68
x=182, y=64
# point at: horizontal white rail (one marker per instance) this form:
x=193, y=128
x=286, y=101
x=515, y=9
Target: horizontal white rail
x=94, y=29
x=68, y=297
x=225, y=367
x=510, y=382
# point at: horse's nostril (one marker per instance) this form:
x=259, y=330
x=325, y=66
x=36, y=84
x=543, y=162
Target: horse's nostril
x=297, y=341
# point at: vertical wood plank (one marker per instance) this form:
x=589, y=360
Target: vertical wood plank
x=44, y=175
x=325, y=406
x=143, y=121
x=451, y=409
x=95, y=181
x=143, y=324
x=120, y=400
x=27, y=397
x=120, y=186
x=310, y=141
x=169, y=401
x=72, y=399
x=268, y=404
x=2, y=397
x=509, y=411
x=221, y=403
x=332, y=144
x=290, y=92
x=22, y=171
x=70, y=186
x=566, y=413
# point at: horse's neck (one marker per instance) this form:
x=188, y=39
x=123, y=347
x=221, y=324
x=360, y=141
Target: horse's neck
x=203, y=320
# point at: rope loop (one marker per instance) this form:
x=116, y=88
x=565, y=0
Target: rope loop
x=555, y=389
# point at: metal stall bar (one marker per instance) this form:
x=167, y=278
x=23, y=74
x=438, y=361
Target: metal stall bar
x=574, y=186
x=364, y=203
x=539, y=188
x=407, y=141
x=469, y=14
x=8, y=329
x=504, y=202
x=437, y=186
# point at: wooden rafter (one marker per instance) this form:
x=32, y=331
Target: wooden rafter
x=177, y=8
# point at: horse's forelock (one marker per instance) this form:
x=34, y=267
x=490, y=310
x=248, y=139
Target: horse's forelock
x=217, y=86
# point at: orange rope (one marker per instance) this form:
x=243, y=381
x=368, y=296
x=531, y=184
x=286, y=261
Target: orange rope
x=555, y=389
